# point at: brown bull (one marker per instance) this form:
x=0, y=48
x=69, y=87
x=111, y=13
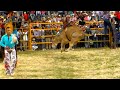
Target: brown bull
x=70, y=35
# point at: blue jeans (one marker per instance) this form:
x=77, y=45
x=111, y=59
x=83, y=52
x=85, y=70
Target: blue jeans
x=87, y=44
x=107, y=24
x=43, y=45
x=95, y=43
x=38, y=40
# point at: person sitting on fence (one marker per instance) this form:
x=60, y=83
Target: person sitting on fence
x=8, y=41
x=36, y=34
x=34, y=45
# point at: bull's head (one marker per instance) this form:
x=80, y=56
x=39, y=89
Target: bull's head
x=55, y=41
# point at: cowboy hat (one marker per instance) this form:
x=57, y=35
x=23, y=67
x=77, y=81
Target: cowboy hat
x=9, y=25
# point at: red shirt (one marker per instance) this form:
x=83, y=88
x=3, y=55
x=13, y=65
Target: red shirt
x=117, y=14
x=2, y=26
x=25, y=17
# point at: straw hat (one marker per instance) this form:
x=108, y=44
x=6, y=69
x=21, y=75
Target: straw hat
x=9, y=24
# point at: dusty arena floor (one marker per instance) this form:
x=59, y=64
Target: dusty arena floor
x=101, y=63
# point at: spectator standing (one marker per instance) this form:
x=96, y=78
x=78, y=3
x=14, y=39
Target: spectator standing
x=25, y=38
x=25, y=15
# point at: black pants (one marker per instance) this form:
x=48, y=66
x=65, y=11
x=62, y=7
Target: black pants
x=118, y=22
x=16, y=50
x=2, y=51
x=39, y=45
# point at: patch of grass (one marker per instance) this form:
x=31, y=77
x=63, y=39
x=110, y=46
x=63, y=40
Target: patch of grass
x=92, y=63
x=63, y=73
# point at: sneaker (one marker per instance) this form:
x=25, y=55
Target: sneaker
x=12, y=74
x=7, y=72
x=43, y=49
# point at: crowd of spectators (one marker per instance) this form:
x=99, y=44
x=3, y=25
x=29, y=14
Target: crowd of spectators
x=21, y=20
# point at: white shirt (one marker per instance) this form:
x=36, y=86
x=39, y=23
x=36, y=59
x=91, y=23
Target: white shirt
x=89, y=18
x=93, y=13
x=36, y=33
x=54, y=19
x=25, y=37
x=38, y=12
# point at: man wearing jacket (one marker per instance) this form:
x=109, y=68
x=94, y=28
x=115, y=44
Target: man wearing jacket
x=8, y=41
